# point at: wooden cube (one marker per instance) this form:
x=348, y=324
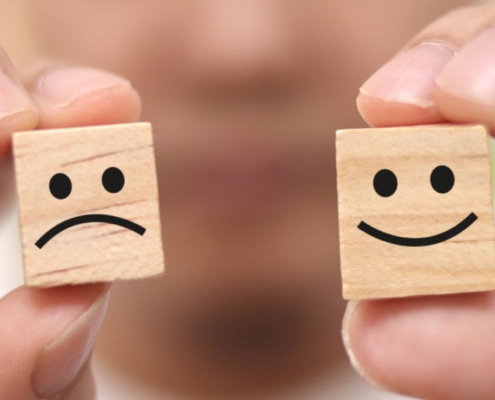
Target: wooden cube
x=88, y=204
x=415, y=211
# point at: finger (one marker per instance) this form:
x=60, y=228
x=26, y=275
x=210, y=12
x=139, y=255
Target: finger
x=430, y=348
x=405, y=91
x=6, y=182
x=465, y=89
x=58, y=97
x=46, y=338
x=68, y=96
x=17, y=112
x=83, y=387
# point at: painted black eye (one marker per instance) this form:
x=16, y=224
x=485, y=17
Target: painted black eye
x=60, y=186
x=442, y=179
x=385, y=183
x=113, y=180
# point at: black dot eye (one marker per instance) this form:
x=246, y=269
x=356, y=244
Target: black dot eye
x=442, y=179
x=113, y=180
x=60, y=186
x=385, y=183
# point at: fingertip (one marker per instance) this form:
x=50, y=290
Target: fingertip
x=383, y=113
x=75, y=96
x=351, y=336
x=110, y=106
x=364, y=342
x=346, y=337
x=401, y=92
x=464, y=111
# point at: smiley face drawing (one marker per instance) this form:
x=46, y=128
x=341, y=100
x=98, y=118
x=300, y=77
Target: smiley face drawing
x=415, y=211
x=442, y=181
x=88, y=204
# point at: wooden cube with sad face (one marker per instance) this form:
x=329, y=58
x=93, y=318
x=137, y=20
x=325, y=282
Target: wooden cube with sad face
x=415, y=211
x=88, y=204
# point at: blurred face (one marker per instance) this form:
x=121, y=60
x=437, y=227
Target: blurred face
x=244, y=97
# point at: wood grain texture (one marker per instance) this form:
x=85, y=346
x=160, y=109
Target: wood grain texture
x=90, y=252
x=373, y=268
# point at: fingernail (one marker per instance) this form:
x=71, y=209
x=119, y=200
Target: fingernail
x=471, y=74
x=351, y=307
x=63, y=86
x=409, y=78
x=346, y=323
x=60, y=362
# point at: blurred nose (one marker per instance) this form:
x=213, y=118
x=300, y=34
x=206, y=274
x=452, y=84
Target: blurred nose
x=246, y=44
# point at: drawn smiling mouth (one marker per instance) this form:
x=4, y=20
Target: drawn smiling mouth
x=84, y=219
x=419, y=242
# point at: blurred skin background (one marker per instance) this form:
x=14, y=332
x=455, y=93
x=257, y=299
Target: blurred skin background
x=244, y=98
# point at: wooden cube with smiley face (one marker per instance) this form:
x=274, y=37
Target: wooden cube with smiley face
x=88, y=204
x=415, y=211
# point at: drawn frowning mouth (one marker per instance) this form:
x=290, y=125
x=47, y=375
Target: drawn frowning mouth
x=418, y=242
x=84, y=219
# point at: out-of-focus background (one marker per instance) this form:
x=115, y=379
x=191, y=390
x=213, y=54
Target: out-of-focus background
x=16, y=34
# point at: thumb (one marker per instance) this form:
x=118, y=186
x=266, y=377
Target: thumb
x=46, y=339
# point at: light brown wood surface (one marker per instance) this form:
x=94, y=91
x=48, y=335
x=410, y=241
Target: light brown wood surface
x=93, y=251
x=373, y=268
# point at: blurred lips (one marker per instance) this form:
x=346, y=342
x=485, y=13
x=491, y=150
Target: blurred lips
x=239, y=187
x=233, y=174
x=230, y=187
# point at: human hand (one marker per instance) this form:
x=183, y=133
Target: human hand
x=47, y=335
x=439, y=347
